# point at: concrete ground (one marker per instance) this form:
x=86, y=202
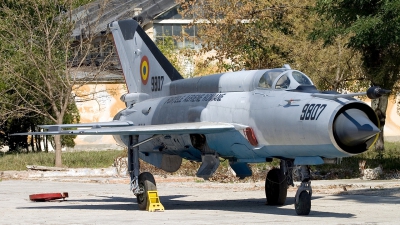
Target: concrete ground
x=107, y=200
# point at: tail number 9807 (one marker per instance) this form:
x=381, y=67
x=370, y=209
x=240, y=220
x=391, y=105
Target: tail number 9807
x=312, y=111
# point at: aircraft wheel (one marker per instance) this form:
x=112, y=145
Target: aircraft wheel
x=276, y=187
x=303, y=206
x=146, y=183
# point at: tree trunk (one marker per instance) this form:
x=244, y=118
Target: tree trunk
x=57, y=143
x=57, y=138
x=379, y=105
x=33, y=138
x=32, y=144
x=38, y=144
x=46, y=144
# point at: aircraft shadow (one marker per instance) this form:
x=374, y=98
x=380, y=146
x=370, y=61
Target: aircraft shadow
x=174, y=202
x=254, y=205
x=372, y=195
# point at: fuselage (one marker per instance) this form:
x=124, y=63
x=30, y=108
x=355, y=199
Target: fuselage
x=284, y=122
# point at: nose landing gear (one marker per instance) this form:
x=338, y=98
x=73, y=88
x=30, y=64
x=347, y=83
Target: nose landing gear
x=302, y=203
x=276, y=185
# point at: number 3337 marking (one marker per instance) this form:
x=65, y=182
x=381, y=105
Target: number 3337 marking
x=157, y=83
x=312, y=111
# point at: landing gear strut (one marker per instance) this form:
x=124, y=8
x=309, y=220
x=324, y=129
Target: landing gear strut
x=142, y=183
x=302, y=203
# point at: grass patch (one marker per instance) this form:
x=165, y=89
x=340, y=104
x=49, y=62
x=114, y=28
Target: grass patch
x=349, y=167
x=89, y=159
x=390, y=162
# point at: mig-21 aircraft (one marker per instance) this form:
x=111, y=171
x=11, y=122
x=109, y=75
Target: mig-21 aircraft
x=249, y=116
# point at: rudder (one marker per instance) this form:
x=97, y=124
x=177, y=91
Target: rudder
x=145, y=68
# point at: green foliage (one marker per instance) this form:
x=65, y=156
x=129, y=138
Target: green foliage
x=29, y=122
x=349, y=167
x=15, y=143
x=35, y=77
x=373, y=28
x=243, y=34
x=33, y=59
x=71, y=116
x=171, y=52
x=267, y=34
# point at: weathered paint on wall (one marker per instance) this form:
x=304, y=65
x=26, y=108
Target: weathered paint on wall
x=392, y=125
x=98, y=103
x=393, y=120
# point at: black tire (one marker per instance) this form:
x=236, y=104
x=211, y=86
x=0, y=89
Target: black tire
x=276, y=187
x=303, y=207
x=147, y=183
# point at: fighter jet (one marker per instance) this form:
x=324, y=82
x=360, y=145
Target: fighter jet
x=249, y=116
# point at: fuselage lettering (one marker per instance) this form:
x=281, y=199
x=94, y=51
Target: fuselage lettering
x=312, y=111
x=195, y=98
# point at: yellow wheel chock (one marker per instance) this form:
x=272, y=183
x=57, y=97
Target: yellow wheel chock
x=153, y=202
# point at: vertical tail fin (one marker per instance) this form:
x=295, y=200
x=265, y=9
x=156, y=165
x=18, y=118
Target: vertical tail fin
x=145, y=68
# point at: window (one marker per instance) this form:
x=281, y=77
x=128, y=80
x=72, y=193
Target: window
x=171, y=24
x=269, y=77
x=301, y=78
x=283, y=82
x=183, y=35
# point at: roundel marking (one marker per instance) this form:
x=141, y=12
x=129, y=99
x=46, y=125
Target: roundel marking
x=144, y=69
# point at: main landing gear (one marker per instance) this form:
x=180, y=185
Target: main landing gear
x=276, y=185
x=146, y=183
x=140, y=184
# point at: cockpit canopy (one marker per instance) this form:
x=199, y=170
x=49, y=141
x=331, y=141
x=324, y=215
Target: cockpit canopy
x=283, y=79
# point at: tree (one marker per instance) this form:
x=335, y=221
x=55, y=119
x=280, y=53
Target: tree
x=182, y=58
x=267, y=34
x=41, y=62
x=373, y=28
x=171, y=52
x=241, y=34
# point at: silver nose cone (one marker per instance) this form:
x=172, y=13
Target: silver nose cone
x=353, y=127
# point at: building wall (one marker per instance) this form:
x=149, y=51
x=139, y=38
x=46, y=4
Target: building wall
x=99, y=107
x=392, y=127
